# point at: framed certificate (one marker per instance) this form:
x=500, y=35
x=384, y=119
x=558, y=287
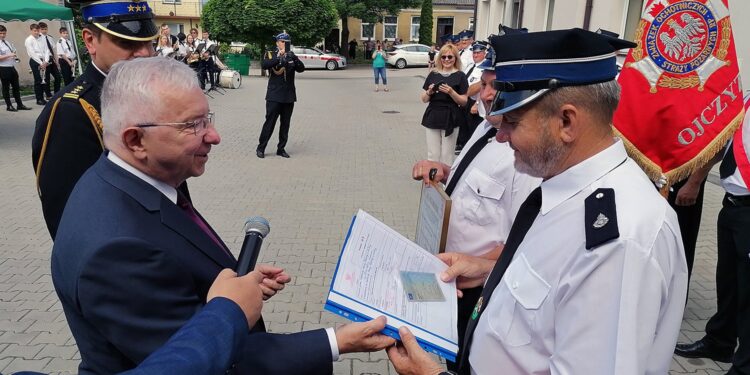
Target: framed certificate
x=434, y=214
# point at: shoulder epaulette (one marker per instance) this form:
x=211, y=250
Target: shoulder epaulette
x=600, y=218
x=77, y=91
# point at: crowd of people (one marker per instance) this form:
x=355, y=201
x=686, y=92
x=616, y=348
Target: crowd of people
x=566, y=257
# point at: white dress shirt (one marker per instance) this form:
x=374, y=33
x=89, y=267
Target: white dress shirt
x=473, y=75
x=615, y=309
x=466, y=56
x=171, y=193
x=37, y=49
x=48, y=42
x=6, y=50
x=486, y=198
x=64, y=49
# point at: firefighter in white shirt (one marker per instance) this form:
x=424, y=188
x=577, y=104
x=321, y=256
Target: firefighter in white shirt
x=66, y=56
x=38, y=60
x=485, y=190
x=592, y=278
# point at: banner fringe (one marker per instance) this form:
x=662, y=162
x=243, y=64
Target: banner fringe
x=654, y=172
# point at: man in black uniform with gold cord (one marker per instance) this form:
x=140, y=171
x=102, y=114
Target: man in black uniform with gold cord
x=281, y=93
x=68, y=135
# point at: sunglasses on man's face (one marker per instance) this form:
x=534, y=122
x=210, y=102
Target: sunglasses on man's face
x=447, y=57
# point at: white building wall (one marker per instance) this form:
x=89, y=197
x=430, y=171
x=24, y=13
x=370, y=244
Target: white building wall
x=606, y=14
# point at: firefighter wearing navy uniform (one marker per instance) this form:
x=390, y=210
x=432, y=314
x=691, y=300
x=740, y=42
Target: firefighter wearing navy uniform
x=280, y=95
x=68, y=135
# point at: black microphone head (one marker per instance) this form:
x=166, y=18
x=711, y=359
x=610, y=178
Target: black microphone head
x=257, y=224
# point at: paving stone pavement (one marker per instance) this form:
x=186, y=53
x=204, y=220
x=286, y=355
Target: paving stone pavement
x=346, y=152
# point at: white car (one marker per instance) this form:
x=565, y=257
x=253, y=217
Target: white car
x=315, y=58
x=404, y=55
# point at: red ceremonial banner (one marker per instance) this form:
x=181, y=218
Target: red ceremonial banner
x=681, y=90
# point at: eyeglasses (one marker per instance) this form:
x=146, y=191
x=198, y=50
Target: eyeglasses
x=447, y=57
x=195, y=127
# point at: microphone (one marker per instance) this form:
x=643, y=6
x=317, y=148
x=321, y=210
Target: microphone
x=256, y=228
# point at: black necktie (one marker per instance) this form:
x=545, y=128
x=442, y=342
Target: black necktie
x=525, y=217
x=46, y=39
x=728, y=165
x=471, y=70
x=468, y=158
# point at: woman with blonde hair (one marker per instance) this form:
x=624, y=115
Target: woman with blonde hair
x=164, y=48
x=445, y=91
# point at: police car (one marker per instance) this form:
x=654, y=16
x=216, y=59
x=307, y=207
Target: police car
x=315, y=58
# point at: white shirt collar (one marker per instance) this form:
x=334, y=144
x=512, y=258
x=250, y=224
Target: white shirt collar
x=100, y=71
x=560, y=188
x=164, y=188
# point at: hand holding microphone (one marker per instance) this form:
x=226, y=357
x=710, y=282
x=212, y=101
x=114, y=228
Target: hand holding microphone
x=274, y=278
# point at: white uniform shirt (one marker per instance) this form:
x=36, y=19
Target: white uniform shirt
x=64, y=49
x=487, y=198
x=734, y=184
x=562, y=309
x=466, y=56
x=37, y=49
x=473, y=75
x=5, y=50
x=43, y=39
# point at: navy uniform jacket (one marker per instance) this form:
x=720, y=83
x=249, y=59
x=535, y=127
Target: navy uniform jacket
x=281, y=78
x=131, y=268
x=73, y=142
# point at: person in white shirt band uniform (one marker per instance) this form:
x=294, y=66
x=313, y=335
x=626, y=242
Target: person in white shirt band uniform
x=38, y=60
x=592, y=278
x=8, y=73
x=66, y=56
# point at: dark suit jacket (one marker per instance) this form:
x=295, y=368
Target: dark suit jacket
x=281, y=86
x=131, y=268
x=208, y=344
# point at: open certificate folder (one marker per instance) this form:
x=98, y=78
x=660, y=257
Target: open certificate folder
x=367, y=283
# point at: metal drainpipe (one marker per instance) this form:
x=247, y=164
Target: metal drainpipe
x=474, y=27
x=587, y=14
x=520, y=13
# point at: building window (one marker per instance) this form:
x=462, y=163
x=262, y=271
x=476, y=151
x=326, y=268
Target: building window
x=390, y=27
x=471, y=23
x=171, y=1
x=550, y=14
x=414, y=33
x=368, y=30
x=633, y=18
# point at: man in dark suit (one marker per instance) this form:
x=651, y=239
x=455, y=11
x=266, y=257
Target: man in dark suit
x=280, y=95
x=133, y=260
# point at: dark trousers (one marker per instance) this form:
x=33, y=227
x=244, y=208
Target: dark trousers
x=9, y=78
x=66, y=70
x=732, y=286
x=52, y=72
x=689, y=218
x=465, y=308
x=37, y=80
x=274, y=110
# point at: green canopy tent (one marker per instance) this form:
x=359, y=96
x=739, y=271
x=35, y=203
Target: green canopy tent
x=27, y=10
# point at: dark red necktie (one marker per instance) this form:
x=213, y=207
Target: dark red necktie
x=186, y=206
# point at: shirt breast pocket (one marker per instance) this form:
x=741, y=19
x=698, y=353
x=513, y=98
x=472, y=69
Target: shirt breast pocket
x=482, y=198
x=516, y=320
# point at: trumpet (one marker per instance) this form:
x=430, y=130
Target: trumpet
x=42, y=72
x=12, y=50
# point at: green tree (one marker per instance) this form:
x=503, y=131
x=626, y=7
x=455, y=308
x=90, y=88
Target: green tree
x=257, y=21
x=425, y=23
x=371, y=11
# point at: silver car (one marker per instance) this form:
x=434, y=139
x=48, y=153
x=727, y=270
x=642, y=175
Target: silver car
x=404, y=55
x=315, y=58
